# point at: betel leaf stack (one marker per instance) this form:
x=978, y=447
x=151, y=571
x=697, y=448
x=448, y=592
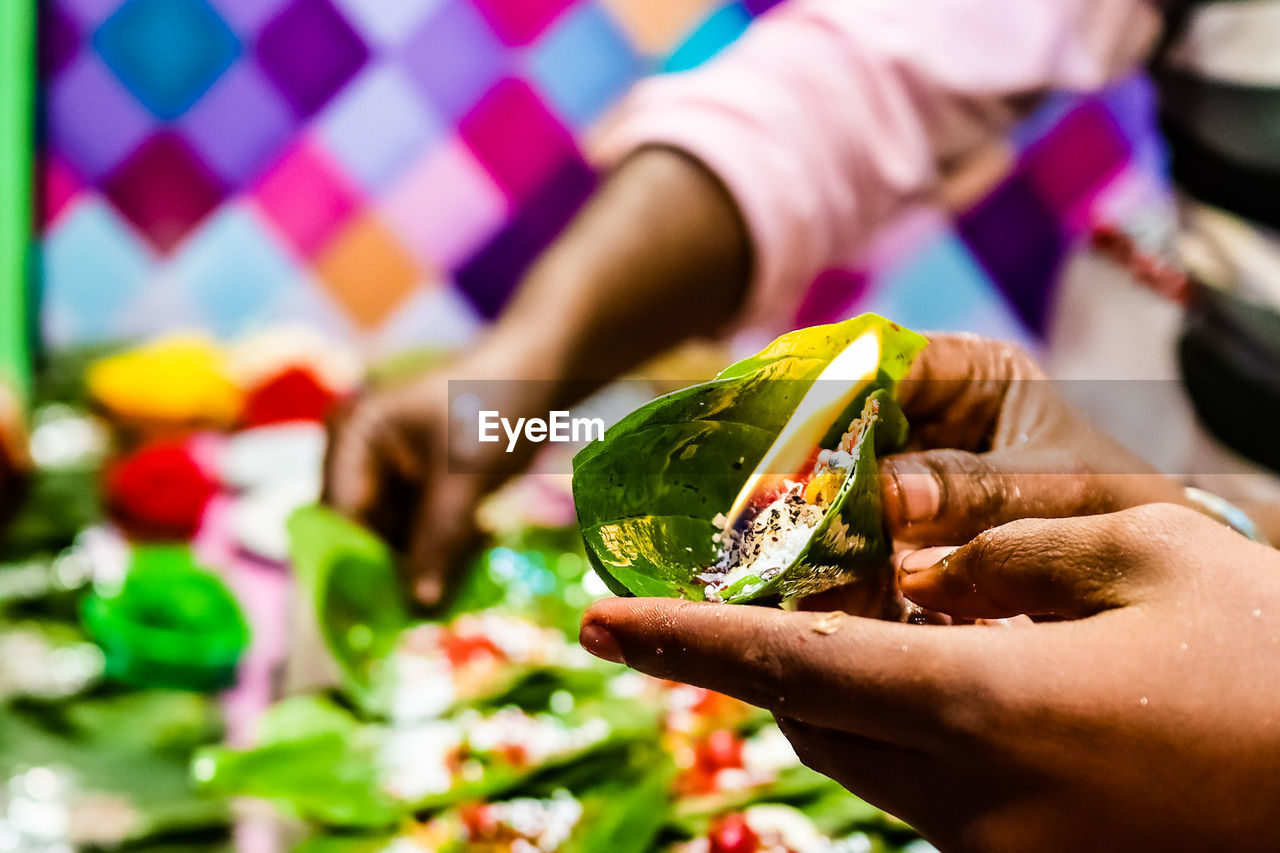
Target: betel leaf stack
x=648, y=494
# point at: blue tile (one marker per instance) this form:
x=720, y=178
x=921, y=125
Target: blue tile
x=168, y=52
x=941, y=286
x=584, y=64
x=231, y=269
x=94, y=269
x=718, y=31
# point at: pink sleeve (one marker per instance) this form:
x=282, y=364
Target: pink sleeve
x=828, y=115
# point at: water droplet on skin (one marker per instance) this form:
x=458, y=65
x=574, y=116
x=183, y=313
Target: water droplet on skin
x=1142, y=701
x=904, y=647
x=1183, y=647
x=1257, y=613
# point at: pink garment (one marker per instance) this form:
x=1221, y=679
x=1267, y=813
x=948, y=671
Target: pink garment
x=828, y=116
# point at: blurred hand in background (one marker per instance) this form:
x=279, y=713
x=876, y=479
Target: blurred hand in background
x=14, y=461
x=659, y=255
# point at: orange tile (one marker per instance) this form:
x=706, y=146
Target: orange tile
x=657, y=26
x=367, y=271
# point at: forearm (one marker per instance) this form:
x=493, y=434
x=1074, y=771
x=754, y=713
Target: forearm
x=658, y=255
x=828, y=117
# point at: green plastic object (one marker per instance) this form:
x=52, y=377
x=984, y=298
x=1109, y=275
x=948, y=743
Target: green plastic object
x=648, y=494
x=17, y=93
x=169, y=624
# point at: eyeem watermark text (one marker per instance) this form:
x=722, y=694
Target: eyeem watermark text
x=557, y=427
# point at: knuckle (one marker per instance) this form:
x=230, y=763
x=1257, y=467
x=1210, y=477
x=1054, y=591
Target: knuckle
x=1011, y=362
x=970, y=485
x=766, y=661
x=996, y=546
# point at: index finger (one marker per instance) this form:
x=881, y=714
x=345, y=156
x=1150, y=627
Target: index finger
x=902, y=684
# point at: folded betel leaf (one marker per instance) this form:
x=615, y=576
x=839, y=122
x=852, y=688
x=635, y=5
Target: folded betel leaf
x=759, y=485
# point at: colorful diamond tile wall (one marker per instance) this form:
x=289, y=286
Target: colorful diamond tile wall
x=386, y=169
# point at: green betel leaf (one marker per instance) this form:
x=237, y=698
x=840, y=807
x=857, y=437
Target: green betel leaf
x=349, y=575
x=648, y=494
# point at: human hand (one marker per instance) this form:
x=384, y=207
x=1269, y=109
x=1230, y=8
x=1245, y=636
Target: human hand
x=14, y=462
x=1151, y=722
x=994, y=441
x=389, y=465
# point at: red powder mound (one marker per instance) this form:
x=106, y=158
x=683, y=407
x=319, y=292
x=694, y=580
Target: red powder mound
x=293, y=394
x=158, y=492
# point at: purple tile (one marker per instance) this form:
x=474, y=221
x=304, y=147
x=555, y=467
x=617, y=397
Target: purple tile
x=164, y=189
x=389, y=22
x=92, y=120
x=89, y=13
x=1071, y=164
x=518, y=22
x=1019, y=243
x=311, y=52
x=489, y=277
x=59, y=39
x=516, y=138
x=1131, y=103
x=240, y=125
x=455, y=58
x=248, y=16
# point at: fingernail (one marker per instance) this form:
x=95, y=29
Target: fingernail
x=925, y=558
x=595, y=639
x=919, y=494
x=428, y=592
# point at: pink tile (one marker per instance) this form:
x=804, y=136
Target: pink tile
x=830, y=296
x=307, y=197
x=519, y=22
x=516, y=138
x=445, y=206
x=165, y=189
x=59, y=184
x=1077, y=159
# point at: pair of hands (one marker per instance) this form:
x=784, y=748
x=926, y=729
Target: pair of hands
x=1142, y=712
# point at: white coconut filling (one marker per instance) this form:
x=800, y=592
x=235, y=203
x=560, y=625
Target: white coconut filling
x=776, y=536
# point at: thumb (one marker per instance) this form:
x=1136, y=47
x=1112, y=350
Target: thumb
x=1072, y=567
x=950, y=496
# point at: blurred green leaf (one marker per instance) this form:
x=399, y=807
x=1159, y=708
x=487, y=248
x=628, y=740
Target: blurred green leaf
x=349, y=575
